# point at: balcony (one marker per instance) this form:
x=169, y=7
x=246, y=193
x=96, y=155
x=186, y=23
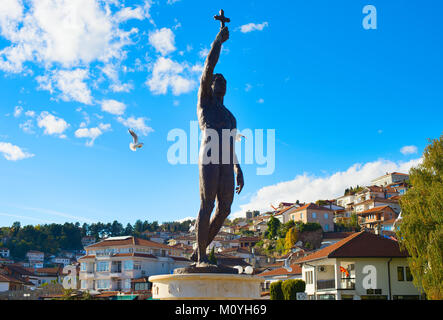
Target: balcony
x=347, y=284
x=326, y=284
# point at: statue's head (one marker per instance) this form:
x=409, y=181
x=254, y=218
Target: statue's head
x=219, y=85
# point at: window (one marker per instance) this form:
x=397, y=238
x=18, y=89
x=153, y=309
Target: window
x=127, y=284
x=400, y=274
x=84, y=266
x=314, y=215
x=128, y=265
x=404, y=274
x=83, y=284
x=103, y=283
x=137, y=265
x=326, y=227
x=326, y=216
x=301, y=215
x=102, y=266
x=309, y=277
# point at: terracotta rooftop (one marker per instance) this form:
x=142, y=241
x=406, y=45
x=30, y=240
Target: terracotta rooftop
x=358, y=245
x=129, y=241
x=296, y=269
x=375, y=209
x=312, y=206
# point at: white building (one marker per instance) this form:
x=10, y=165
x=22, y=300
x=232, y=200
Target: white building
x=62, y=260
x=341, y=270
x=111, y=264
x=390, y=178
x=346, y=200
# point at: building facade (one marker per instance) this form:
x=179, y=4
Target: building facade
x=113, y=264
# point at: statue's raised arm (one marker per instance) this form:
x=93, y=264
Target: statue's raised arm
x=211, y=60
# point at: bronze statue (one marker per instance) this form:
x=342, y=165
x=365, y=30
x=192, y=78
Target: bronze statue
x=216, y=179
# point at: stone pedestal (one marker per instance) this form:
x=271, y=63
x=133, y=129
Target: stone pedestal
x=206, y=286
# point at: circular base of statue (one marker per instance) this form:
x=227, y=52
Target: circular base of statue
x=206, y=286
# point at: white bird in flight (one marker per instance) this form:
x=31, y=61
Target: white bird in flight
x=134, y=145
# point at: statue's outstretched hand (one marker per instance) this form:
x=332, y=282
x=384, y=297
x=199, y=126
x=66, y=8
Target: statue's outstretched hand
x=223, y=35
x=240, y=182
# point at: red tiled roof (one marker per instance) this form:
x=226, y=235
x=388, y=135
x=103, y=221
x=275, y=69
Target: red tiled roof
x=129, y=241
x=375, y=209
x=242, y=239
x=358, y=245
x=283, y=211
x=296, y=269
x=8, y=278
x=141, y=255
x=312, y=206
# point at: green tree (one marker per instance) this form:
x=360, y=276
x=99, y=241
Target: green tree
x=291, y=287
x=211, y=257
x=421, y=226
x=273, y=227
x=275, y=291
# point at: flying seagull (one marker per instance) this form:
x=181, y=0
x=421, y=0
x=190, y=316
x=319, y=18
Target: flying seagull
x=135, y=145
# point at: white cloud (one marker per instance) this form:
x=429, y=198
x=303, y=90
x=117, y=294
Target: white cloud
x=30, y=113
x=128, y=13
x=169, y=74
x=70, y=83
x=52, y=124
x=203, y=53
x=27, y=126
x=12, y=152
x=59, y=31
x=408, y=150
x=138, y=124
x=66, y=35
x=172, y=1
x=113, y=107
x=198, y=68
x=309, y=188
x=111, y=72
x=261, y=100
x=253, y=27
x=92, y=133
x=162, y=40
x=18, y=111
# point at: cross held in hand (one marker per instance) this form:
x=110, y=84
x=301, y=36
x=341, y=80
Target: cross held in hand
x=221, y=17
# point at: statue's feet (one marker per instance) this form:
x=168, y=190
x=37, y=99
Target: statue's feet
x=194, y=256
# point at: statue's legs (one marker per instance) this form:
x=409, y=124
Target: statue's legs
x=209, y=179
x=224, y=196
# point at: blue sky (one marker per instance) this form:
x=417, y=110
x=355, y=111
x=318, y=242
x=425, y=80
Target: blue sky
x=74, y=75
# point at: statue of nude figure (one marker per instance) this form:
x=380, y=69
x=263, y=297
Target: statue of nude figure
x=216, y=179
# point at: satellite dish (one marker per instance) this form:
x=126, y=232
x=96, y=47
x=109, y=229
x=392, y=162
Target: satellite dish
x=239, y=268
x=249, y=270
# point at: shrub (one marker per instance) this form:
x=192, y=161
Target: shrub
x=212, y=259
x=276, y=292
x=291, y=287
